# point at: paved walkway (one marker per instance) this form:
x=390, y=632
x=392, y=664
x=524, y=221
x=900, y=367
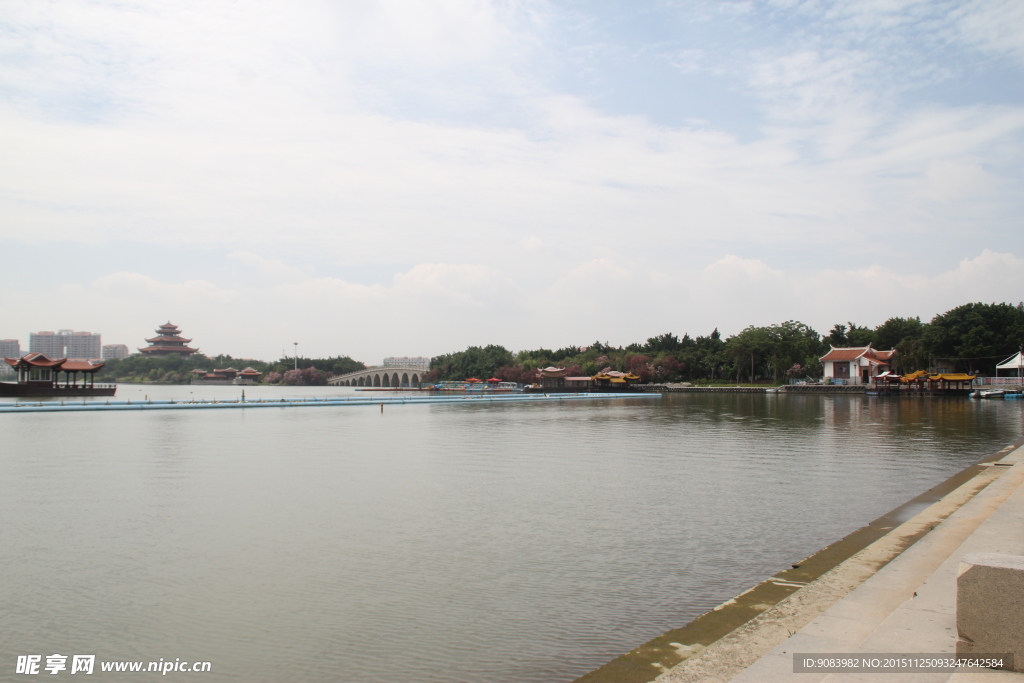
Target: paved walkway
x=908, y=606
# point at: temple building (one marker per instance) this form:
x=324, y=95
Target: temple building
x=855, y=365
x=226, y=376
x=167, y=342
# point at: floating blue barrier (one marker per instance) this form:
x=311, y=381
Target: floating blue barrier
x=200, y=404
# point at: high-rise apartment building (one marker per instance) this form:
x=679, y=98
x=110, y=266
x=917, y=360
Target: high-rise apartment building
x=82, y=345
x=114, y=351
x=50, y=344
x=10, y=348
x=408, y=362
x=66, y=344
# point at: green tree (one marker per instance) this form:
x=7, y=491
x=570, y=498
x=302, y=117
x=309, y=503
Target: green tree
x=904, y=335
x=747, y=349
x=775, y=349
x=859, y=336
x=850, y=334
x=976, y=336
x=475, y=361
x=837, y=337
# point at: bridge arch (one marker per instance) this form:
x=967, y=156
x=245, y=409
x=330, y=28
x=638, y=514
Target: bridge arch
x=391, y=376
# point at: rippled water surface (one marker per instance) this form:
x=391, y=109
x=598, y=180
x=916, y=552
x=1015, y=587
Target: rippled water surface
x=521, y=542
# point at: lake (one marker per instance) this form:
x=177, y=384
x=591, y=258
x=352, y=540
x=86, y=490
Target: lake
x=505, y=542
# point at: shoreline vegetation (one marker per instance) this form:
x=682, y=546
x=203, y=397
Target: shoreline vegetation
x=970, y=338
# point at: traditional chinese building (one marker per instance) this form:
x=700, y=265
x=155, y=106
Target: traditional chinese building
x=557, y=380
x=855, y=365
x=226, y=376
x=168, y=342
x=39, y=375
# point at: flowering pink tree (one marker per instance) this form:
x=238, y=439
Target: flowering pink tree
x=668, y=368
x=640, y=365
x=305, y=377
x=313, y=377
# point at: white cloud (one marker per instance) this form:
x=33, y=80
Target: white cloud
x=396, y=166
x=995, y=25
x=137, y=286
x=269, y=267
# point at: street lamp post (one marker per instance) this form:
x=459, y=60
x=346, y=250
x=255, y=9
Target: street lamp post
x=296, y=355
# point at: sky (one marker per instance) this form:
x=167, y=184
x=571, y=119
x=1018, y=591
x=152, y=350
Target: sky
x=412, y=177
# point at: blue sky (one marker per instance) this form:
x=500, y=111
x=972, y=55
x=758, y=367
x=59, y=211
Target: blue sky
x=409, y=178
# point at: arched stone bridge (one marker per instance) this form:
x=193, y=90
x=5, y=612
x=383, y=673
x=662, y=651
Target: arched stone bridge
x=381, y=377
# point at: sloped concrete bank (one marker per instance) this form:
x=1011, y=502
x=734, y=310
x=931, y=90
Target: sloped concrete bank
x=751, y=624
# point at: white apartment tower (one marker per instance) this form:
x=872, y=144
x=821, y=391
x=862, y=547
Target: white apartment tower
x=50, y=344
x=10, y=348
x=82, y=345
x=66, y=344
x=114, y=351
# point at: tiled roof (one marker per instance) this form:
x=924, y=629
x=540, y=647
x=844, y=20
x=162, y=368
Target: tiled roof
x=167, y=338
x=845, y=353
x=855, y=352
x=81, y=366
x=34, y=359
x=38, y=360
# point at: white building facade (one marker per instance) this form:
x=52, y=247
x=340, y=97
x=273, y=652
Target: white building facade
x=407, y=362
x=855, y=365
x=66, y=344
x=82, y=345
x=115, y=351
x=48, y=343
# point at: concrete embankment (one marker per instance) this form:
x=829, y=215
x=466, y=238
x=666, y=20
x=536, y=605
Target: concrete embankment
x=722, y=643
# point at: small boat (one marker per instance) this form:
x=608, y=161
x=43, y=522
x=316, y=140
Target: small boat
x=992, y=393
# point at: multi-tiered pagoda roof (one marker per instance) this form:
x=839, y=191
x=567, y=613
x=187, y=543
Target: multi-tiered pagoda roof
x=168, y=341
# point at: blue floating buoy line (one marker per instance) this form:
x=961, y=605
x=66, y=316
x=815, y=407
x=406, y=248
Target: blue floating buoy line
x=203, y=404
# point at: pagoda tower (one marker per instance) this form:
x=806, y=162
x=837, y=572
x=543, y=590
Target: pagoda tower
x=167, y=342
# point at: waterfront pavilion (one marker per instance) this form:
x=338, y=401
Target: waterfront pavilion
x=35, y=369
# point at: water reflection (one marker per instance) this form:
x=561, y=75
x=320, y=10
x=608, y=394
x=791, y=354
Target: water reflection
x=439, y=543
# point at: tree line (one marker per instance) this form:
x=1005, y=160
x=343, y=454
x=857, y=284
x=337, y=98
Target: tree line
x=177, y=369
x=970, y=338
